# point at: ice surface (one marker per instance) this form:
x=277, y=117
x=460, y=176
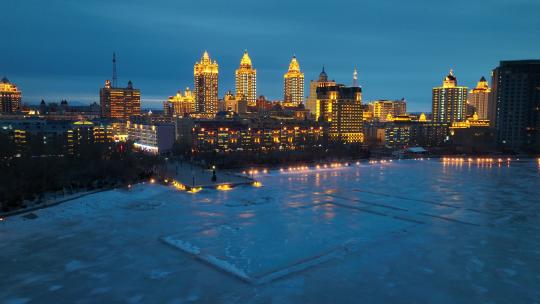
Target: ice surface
x=400, y=232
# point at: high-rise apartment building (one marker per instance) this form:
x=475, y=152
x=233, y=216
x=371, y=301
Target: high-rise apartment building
x=246, y=80
x=515, y=104
x=323, y=81
x=10, y=97
x=293, y=86
x=449, y=102
x=206, y=85
x=341, y=108
x=479, y=98
x=180, y=104
x=119, y=103
x=384, y=110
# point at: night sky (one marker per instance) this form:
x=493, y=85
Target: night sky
x=62, y=49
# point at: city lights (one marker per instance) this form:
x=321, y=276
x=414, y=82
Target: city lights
x=224, y=187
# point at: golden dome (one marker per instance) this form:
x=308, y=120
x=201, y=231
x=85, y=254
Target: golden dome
x=294, y=66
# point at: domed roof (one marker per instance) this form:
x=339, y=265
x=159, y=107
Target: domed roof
x=5, y=80
x=450, y=80
x=294, y=65
x=450, y=75
x=245, y=61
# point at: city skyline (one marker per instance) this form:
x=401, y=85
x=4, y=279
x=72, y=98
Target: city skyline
x=394, y=58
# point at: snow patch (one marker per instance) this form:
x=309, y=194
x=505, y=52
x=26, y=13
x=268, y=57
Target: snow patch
x=183, y=245
x=228, y=267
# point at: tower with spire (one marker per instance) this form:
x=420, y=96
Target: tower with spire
x=119, y=103
x=205, y=73
x=10, y=97
x=449, y=101
x=322, y=81
x=293, y=84
x=246, y=80
x=114, y=75
x=479, y=98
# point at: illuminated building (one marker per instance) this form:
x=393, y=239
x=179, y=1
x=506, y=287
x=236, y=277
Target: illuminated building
x=151, y=138
x=119, y=103
x=479, y=98
x=473, y=135
x=232, y=135
x=383, y=108
x=449, y=102
x=405, y=131
x=515, y=105
x=367, y=112
x=341, y=108
x=246, y=80
x=293, y=86
x=263, y=104
x=84, y=133
x=180, y=104
x=206, y=85
x=229, y=102
x=323, y=81
x=55, y=137
x=10, y=97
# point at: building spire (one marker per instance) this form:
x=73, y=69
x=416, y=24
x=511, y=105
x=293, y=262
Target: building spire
x=355, y=77
x=114, y=75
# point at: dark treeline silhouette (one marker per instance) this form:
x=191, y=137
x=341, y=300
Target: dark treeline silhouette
x=273, y=158
x=40, y=170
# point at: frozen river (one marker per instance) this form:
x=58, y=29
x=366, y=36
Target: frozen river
x=399, y=232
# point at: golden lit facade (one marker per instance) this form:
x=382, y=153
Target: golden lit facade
x=119, y=103
x=311, y=103
x=383, y=108
x=449, y=103
x=10, y=97
x=341, y=107
x=232, y=136
x=206, y=85
x=474, y=121
x=83, y=133
x=246, y=80
x=479, y=98
x=293, y=86
x=181, y=104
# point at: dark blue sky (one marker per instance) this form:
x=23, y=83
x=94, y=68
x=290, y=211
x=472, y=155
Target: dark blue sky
x=62, y=49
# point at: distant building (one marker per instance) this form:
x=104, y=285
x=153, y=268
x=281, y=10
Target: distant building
x=246, y=80
x=263, y=104
x=341, y=108
x=119, y=103
x=473, y=135
x=206, y=85
x=10, y=97
x=84, y=133
x=515, y=106
x=230, y=134
x=449, y=102
x=323, y=81
x=479, y=98
x=383, y=108
x=151, y=138
x=180, y=104
x=55, y=137
x=293, y=85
